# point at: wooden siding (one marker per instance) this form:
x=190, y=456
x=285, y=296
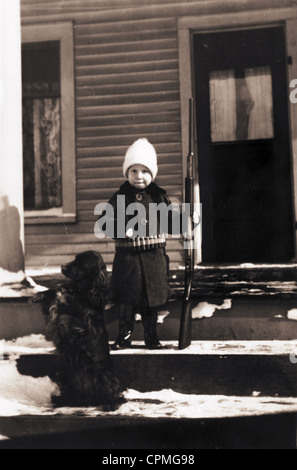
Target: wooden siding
x=127, y=86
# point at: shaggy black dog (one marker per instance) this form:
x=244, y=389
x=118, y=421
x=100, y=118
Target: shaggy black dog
x=75, y=323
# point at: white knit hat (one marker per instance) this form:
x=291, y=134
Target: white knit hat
x=142, y=152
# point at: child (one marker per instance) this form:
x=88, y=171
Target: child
x=140, y=271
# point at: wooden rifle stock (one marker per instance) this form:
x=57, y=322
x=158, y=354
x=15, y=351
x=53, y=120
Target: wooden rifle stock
x=185, y=335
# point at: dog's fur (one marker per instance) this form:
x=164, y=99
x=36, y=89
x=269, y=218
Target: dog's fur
x=75, y=323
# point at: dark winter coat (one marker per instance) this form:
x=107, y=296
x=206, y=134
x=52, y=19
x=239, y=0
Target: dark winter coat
x=141, y=275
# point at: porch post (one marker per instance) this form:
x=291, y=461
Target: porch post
x=12, y=273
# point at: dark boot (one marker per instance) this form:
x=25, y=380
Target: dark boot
x=126, y=327
x=149, y=321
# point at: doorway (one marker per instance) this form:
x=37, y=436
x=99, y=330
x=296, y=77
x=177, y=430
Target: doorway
x=244, y=153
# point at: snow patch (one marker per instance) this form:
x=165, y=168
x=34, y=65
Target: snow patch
x=36, y=344
x=206, y=310
x=18, y=285
x=20, y=395
x=292, y=314
x=7, y=277
x=178, y=405
x=161, y=316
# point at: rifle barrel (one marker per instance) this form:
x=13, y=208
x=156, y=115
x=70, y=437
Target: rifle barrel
x=186, y=315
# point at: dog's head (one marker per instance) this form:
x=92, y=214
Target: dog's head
x=88, y=265
x=89, y=272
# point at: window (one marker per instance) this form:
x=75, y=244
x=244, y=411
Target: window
x=41, y=126
x=48, y=124
x=241, y=105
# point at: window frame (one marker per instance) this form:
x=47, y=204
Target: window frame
x=62, y=32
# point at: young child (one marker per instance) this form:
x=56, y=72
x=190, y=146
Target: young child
x=141, y=266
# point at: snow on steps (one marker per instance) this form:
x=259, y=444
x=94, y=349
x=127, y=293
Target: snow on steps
x=215, y=393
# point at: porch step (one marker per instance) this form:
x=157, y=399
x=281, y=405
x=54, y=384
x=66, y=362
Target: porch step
x=20, y=318
x=216, y=394
x=249, y=318
x=240, y=281
x=217, y=280
x=206, y=368
x=148, y=435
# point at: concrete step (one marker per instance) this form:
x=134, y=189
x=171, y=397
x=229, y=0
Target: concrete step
x=216, y=394
x=206, y=368
x=148, y=435
x=20, y=318
x=247, y=319
x=251, y=319
x=217, y=280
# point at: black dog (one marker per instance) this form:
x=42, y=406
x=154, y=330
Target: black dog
x=75, y=323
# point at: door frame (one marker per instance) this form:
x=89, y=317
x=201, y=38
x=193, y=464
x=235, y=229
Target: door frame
x=187, y=27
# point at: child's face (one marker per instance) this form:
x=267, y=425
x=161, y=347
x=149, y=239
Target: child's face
x=139, y=176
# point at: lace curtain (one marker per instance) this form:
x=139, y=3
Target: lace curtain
x=241, y=108
x=222, y=106
x=259, y=83
x=42, y=153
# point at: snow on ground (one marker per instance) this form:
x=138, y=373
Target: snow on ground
x=292, y=314
x=25, y=395
x=33, y=344
x=18, y=285
x=206, y=310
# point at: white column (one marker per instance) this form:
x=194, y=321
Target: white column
x=11, y=161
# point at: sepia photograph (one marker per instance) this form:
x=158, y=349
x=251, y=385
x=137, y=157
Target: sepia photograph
x=148, y=204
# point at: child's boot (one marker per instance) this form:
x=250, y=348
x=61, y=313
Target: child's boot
x=149, y=321
x=126, y=327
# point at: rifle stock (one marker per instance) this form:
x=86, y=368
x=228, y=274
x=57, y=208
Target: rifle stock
x=185, y=335
x=185, y=338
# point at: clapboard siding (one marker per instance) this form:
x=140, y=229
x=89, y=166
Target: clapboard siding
x=96, y=61
x=92, y=51
x=117, y=122
x=126, y=67
x=116, y=162
x=141, y=10
x=127, y=86
x=101, y=193
x=125, y=129
x=72, y=248
x=94, y=174
x=103, y=141
x=127, y=89
x=45, y=261
x=128, y=77
x=128, y=109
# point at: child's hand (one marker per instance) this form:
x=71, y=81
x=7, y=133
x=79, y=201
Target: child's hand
x=129, y=233
x=196, y=218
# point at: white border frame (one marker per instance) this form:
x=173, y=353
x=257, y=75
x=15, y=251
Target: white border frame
x=62, y=32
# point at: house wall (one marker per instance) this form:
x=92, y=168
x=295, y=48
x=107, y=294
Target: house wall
x=127, y=85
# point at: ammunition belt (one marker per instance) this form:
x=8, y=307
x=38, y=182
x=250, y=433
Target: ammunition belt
x=128, y=245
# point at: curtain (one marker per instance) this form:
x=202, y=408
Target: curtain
x=223, y=105
x=259, y=83
x=42, y=151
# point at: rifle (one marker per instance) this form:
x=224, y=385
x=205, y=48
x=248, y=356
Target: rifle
x=185, y=335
